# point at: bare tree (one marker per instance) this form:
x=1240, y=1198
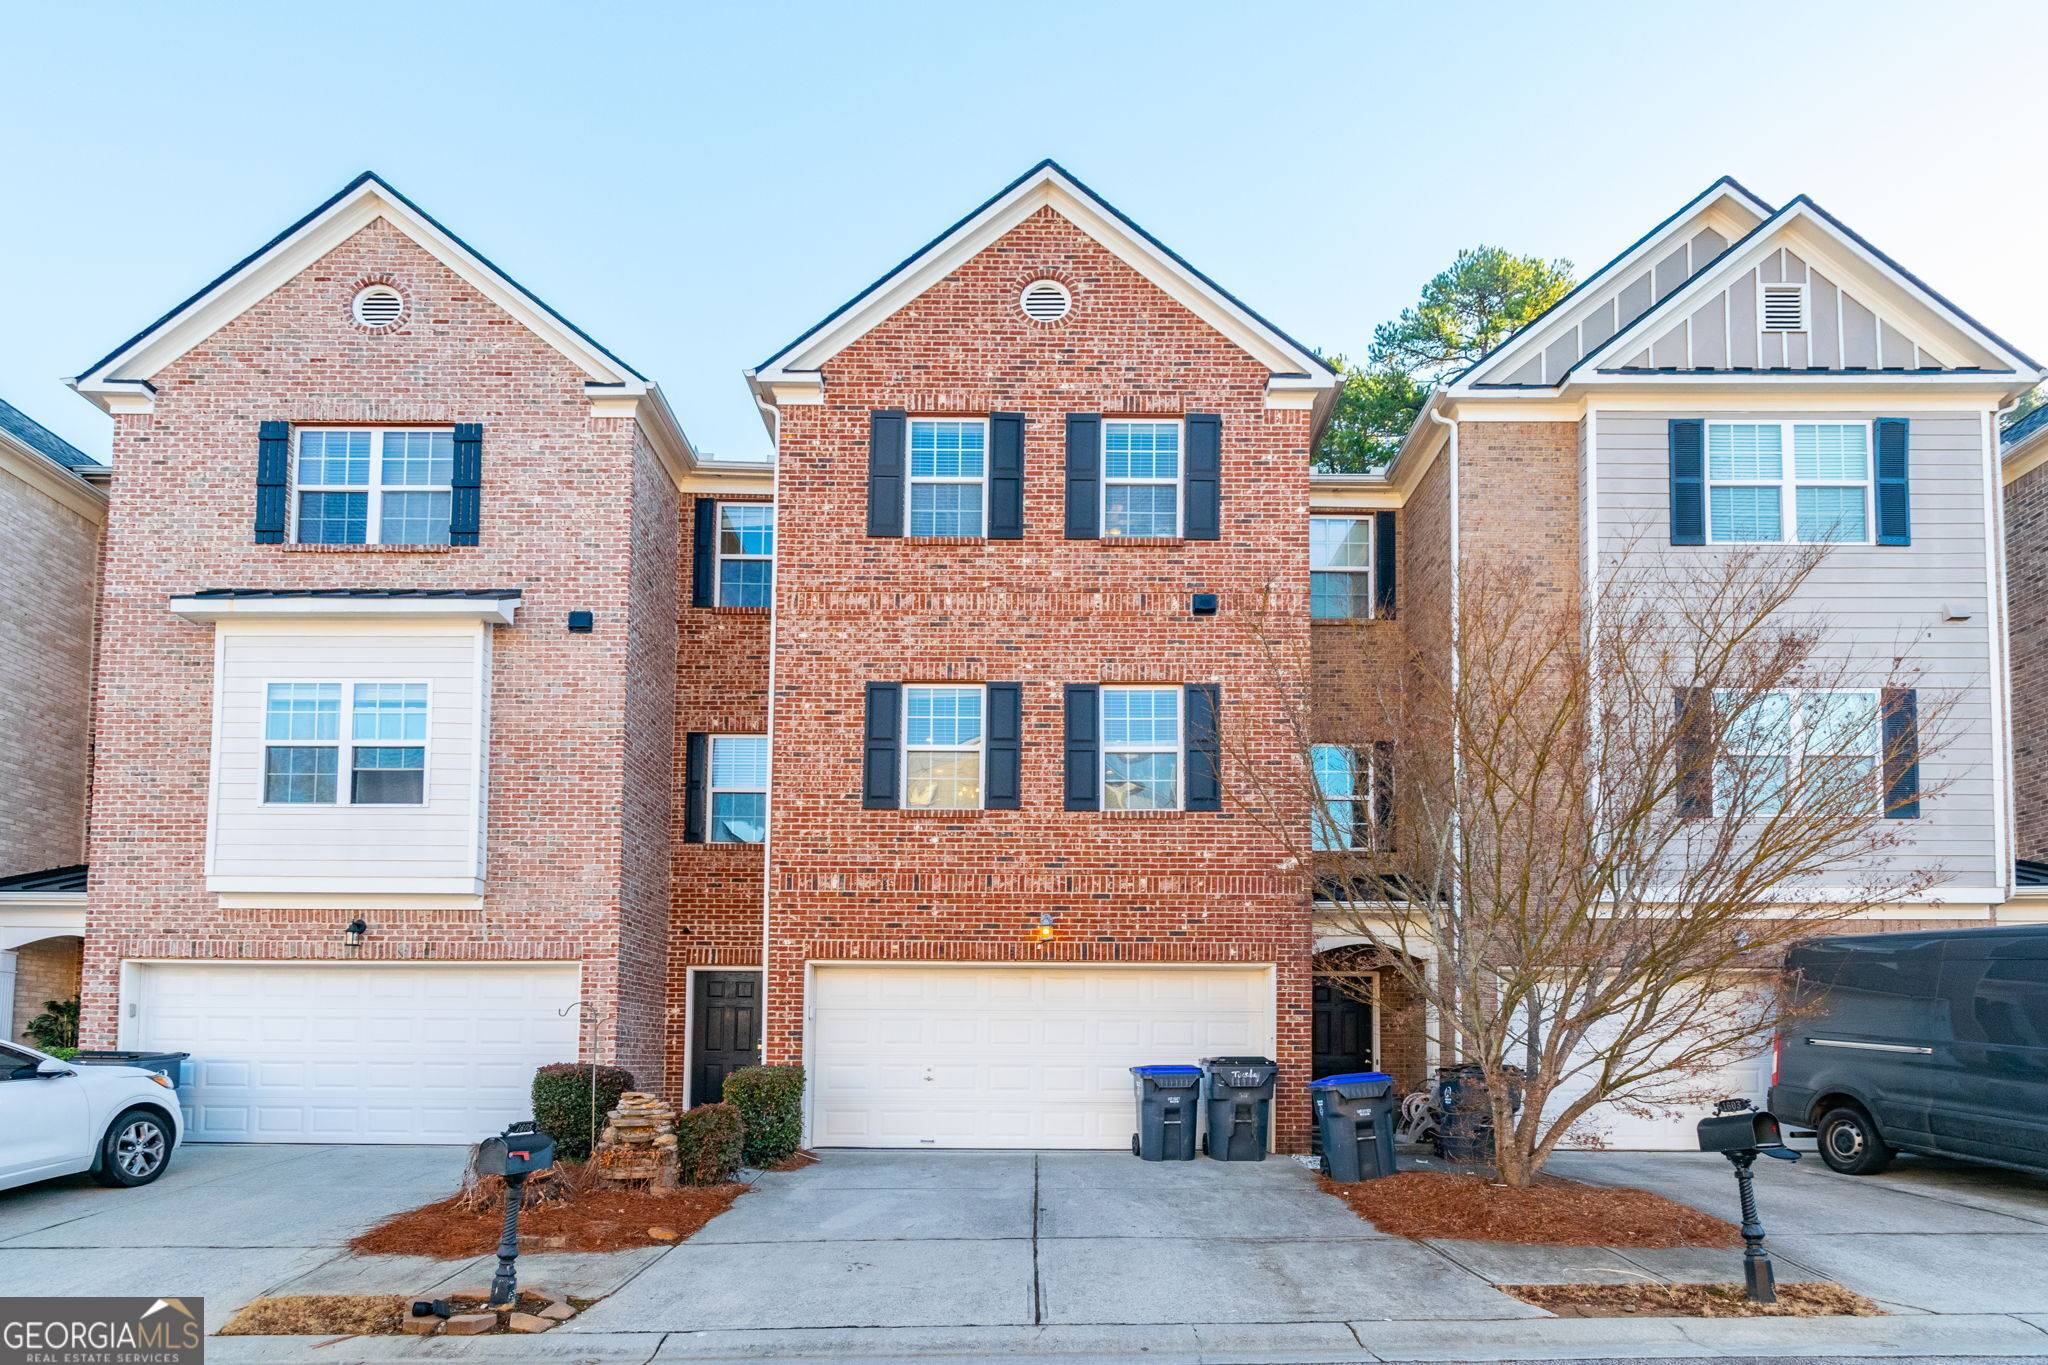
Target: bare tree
x=1609, y=818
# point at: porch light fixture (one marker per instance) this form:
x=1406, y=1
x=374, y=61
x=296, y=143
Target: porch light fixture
x=353, y=935
x=1044, y=932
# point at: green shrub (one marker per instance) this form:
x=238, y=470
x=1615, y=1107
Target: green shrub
x=561, y=1102
x=708, y=1144
x=55, y=1027
x=62, y=1054
x=771, y=1104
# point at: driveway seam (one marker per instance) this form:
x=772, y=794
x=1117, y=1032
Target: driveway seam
x=1037, y=1286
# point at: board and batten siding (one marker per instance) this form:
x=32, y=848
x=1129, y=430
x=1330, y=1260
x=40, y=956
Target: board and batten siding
x=433, y=849
x=1884, y=608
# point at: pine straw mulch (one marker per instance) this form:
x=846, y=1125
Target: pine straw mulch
x=1551, y=1212
x=355, y=1315
x=796, y=1160
x=1692, y=1301
x=587, y=1219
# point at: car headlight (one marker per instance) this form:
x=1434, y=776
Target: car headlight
x=162, y=1080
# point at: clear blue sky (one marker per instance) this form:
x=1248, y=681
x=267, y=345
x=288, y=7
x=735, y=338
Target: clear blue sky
x=696, y=185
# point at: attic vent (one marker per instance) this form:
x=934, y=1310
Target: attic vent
x=1045, y=301
x=378, y=306
x=1784, y=307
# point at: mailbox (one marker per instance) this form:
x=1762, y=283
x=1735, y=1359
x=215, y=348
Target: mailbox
x=1741, y=1131
x=519, y=1151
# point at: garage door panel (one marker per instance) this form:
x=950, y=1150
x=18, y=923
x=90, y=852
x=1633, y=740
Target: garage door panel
x=1000, y=1057
x=356, y=1053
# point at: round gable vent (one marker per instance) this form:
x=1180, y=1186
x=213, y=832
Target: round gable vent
x=1045, y=301
x=378, y=306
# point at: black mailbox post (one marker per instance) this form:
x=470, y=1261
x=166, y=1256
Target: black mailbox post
x=518, y=1152
x=1742, y=1133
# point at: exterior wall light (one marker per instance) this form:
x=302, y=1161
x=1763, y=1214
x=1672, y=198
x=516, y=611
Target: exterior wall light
x=353, y=935
x=1044, y=932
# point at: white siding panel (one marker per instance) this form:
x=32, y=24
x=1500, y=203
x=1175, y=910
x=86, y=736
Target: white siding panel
x=305, y=848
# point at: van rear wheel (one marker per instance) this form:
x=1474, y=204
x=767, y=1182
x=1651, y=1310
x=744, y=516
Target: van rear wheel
x=1851, y=1144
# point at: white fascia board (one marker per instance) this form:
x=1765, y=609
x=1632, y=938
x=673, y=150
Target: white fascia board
x=356, y=900
x=1048, y=187
x=493, y=610
x=286, y=258
x=1724, y=202
x=326, y=887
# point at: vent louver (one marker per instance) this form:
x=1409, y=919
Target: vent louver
x=1784, y=308
x=1045, y=301
x=378, y=306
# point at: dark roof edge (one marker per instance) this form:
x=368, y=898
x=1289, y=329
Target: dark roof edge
x=68, y=880
x=459, y=594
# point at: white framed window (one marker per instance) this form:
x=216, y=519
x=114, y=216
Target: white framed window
x=1340, y=568
x=1781, y=307
x=372, y=486
x=301, y=743
x=1344, y=780
x=948, y=476
x=1821, y=493
x=739, y=789
x=1141, y=473
x=1796, y=740
x=383, y=748
x=944, y=736
x=1141, y=748
x=746, y=554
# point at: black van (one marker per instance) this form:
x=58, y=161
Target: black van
x=1930, y=1042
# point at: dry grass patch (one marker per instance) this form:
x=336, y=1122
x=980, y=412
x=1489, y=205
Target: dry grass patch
x=320, y=1315
x=796, y=1160
x=1692, y=1301
x=1551, y=1212
x=585, y=1218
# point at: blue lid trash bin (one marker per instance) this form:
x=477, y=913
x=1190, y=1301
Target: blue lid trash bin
x=1355, y=1116
x=1237, y=1095
x=1167, y=1110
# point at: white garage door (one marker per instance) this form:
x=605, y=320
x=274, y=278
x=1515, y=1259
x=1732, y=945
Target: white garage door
x=1016, y=1056
x=1666, y=1116
x=355, y=1053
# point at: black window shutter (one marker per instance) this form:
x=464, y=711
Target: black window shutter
x=1901, y=753
x=1084, y=484
x=465, y=508
x=1203, y=742
x=1006, y=476
x=1381, y=836
x=1894, y=486
x=1202, y=518
x=1385, y=565
x=1688, y=482
x=883, y=753
x=704, y=554
x=1694, y=749
x=1005, y=745
x=1084, y=747
x=885, y=472
x=696, y=785
x=273, y=480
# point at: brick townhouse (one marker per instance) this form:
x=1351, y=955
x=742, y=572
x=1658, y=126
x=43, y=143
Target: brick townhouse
x=454, y=714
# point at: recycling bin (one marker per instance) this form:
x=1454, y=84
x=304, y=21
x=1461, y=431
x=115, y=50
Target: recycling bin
x=1355, y=1116
x=1168, y=1107
x=1237, y=1099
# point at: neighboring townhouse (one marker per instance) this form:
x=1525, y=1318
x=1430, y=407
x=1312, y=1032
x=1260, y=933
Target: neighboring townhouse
x=2024, y=457
x=1748, y=373
x=387, y=689
x=52, y=506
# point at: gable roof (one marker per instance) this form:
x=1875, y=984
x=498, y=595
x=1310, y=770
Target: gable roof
x=1816, y=227
x=1046, y=184
x=27, y=431
x=127, y=368
x=2017, y=434
x=1727, y=199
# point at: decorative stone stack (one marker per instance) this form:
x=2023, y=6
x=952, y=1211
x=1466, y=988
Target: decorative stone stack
x=638, y=1145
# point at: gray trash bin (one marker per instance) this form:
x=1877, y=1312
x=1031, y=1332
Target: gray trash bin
x=1167, y=1109
x=1355, y=1115
x=169, y=1065
x=1237, y=1095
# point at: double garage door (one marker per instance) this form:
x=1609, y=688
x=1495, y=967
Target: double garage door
x=354, y=1053
x=1012, y=1056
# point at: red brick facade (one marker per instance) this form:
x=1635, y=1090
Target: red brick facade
x=2026, y=538
x=849, y=883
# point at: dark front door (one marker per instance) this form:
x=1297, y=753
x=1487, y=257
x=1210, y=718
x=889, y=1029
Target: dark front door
x=725, y=1031
x=1342, y=1040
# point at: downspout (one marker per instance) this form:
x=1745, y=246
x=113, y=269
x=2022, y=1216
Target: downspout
x=774, y=415
x=1432, y=1044
x=1999, y=634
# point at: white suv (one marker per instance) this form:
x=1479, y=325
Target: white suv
x=119, y=1122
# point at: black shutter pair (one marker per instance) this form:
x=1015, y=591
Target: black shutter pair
x=273, y=482
x=889, y=473
x=1002, y=747
x=1899, y=714
x=1201, y=745
x=1202, y=484
x=1386, y=563
x=1688, y=463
